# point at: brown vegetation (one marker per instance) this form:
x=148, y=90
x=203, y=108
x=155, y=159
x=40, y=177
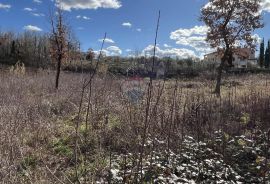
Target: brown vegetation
x=38, y=124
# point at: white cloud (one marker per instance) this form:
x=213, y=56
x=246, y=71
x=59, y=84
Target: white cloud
x=194, y=37
x=197, y=30
x=265, y=5
x=110, y=51
x=113, y=51
x=167, y=46
x=127, y=24
x=257, y=39
x=139, y=29
x=32, y=28
x=68, y=5
x=5, y=6
x=33, y=12
x=83, y=17
x=171, y=52
x=180, y=53
x=196, y=42
x=37, y=1
x=29, y=9
x=38, y=14
x=107, y=40
x=86, y=18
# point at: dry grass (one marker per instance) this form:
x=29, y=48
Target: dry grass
x=37, y=126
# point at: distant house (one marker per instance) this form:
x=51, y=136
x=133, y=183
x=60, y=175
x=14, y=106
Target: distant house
x=242, y=57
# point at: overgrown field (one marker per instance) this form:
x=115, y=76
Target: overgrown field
x=125, y=131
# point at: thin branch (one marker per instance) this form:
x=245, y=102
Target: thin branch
x=148, y=102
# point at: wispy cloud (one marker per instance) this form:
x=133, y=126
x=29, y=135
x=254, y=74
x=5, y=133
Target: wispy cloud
x=167, y=46
x=127, y=24
x=83, y=17
x=5, y=6
x=37, y=1
x=32, y=28
x=107, y=40
x=29, y=9
x=68, y=5
x=33, y=12
x=38, y=14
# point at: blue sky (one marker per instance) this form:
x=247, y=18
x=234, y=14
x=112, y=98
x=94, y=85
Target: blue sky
x=130, y=24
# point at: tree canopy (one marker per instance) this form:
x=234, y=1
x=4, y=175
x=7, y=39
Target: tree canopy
x=232, y=22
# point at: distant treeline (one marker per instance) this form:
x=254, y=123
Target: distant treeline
x=30, y=48
x=33, y=49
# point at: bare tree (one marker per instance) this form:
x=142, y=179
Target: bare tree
x=231, y=23
x=58, y=41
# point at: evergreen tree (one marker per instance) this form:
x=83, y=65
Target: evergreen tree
x=261, y=57
x=267, y=56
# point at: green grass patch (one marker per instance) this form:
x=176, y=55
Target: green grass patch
x=61, y=147
x=30, y=161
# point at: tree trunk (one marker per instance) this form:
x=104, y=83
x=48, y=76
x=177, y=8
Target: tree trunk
x=219, y=70
x=219, y=75
x=58, y=72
